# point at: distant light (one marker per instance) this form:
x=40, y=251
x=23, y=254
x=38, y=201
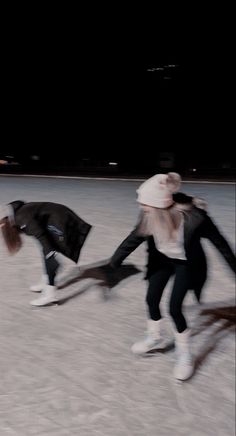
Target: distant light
x=194, y=170
x=35, y=157
x=156, y=69
x=113, y=163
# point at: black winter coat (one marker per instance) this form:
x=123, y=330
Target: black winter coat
x=56, y=227
x=197, y=225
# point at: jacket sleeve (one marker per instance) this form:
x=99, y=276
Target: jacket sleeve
x=129, y=244
x=33, y=228
x=210, y=231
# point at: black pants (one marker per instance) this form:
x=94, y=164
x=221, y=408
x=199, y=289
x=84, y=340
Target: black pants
x=51, y=267
x=157, y=283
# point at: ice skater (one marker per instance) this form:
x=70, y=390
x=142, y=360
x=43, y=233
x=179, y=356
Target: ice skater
x=173, y=225
x=58, y=230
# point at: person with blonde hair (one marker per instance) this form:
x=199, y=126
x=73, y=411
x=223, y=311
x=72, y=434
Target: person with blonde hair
x=173, y=225
x=58, y=230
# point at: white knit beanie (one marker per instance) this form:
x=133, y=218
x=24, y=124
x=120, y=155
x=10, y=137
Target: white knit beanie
x=157, y=191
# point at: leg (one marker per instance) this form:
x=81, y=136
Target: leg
x=184, y=366
x=153, y=340
x=48, y=295
x=157, y=283
x=179, y=291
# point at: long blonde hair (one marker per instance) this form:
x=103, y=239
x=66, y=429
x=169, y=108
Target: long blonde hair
x=162, y=222
x=11, y=236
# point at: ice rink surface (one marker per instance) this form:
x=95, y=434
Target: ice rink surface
x=68, y=369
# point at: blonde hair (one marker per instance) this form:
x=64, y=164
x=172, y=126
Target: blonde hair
x=11, y=236
x=162, y=222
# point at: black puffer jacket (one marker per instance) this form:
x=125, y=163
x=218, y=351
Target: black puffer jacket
x=55, y=226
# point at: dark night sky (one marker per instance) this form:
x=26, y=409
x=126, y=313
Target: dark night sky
x=101, y=99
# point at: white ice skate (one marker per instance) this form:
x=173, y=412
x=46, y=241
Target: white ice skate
x=184, y=366
x=153, y=340
x=48, y=296
x=39, y=286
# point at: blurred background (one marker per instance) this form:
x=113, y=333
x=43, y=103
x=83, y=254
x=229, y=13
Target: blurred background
x=81, y=99
x=219, y=165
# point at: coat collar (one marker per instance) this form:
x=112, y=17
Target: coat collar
x=16, y=205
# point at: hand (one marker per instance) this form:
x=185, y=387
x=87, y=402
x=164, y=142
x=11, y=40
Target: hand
x=109, y=273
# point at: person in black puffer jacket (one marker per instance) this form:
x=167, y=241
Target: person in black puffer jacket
x=58, y=230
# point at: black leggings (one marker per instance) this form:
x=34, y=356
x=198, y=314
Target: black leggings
x=157, y=283
x=51, y=267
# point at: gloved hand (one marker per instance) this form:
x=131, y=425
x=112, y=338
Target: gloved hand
x=110, y=274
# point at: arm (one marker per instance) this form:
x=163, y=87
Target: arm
x=129, y=244
x=211, y=232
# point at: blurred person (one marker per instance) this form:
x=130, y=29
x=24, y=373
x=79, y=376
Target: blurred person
x=58, y=230
x=173, y=225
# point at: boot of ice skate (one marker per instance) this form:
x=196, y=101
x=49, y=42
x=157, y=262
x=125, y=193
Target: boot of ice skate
x=184, y=366
x=38, y=287
x=153, y=339
x=48, y=296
